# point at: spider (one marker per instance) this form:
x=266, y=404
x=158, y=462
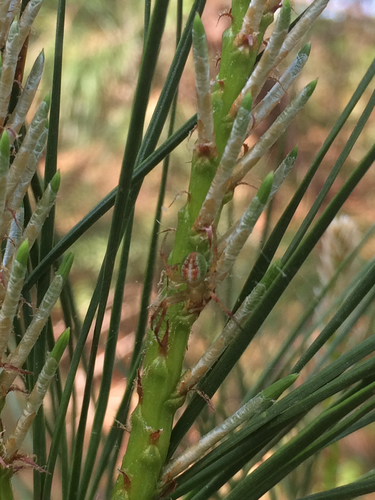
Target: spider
x=199, y=278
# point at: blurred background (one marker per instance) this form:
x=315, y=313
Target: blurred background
x=102, y=52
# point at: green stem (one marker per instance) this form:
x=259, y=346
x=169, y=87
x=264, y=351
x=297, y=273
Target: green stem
x=152, y=420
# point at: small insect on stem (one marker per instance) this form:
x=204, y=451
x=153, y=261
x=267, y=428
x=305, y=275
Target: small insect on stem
x=199, y=279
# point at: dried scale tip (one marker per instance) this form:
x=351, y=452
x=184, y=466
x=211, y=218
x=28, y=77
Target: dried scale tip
x=255, y=406
x=36, y=397
x=221, y=181
x=206, y=135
